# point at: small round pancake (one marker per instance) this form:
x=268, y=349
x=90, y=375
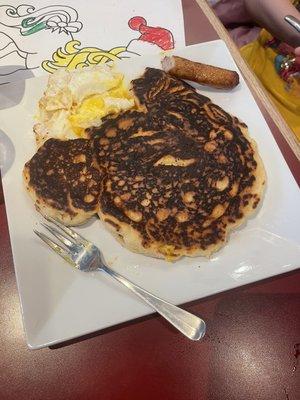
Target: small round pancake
x=62, y=181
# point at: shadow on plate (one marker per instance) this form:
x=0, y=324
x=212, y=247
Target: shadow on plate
x=12, y=85
x=7, y=153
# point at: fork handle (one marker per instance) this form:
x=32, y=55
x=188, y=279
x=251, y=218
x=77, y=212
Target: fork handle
x=191, y=326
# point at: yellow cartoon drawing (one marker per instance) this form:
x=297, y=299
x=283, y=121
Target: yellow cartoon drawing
x=74, y=57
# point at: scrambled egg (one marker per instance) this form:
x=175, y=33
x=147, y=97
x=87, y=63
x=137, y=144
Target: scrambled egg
x=91, y=111
x=76, y=100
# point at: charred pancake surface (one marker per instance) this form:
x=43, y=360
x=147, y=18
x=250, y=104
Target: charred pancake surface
x=62, y=180
x=180, y=173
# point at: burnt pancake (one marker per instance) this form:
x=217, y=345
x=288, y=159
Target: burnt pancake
x=171, y=177
x=62, y=181
x=180, y=172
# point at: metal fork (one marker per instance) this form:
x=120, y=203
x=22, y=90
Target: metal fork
x=85, y=256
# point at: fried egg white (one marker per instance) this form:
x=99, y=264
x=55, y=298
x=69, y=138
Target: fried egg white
x=76, y=100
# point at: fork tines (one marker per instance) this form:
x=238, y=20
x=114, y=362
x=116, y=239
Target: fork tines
x=54, y=246
x=69, y=242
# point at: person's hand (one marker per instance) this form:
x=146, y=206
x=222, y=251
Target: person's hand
x=286, y=49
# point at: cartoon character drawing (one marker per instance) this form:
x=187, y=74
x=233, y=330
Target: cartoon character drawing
x=23, y=28
x=151, y=40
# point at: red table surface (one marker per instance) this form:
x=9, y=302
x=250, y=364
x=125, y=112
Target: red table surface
x=250, y=350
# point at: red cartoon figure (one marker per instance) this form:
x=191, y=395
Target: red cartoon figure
x=151, y=37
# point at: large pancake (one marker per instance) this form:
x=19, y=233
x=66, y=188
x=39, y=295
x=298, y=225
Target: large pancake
x=179, y=174
x=170, y=178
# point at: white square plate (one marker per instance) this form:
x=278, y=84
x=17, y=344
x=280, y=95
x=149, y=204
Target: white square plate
x=60, y=303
